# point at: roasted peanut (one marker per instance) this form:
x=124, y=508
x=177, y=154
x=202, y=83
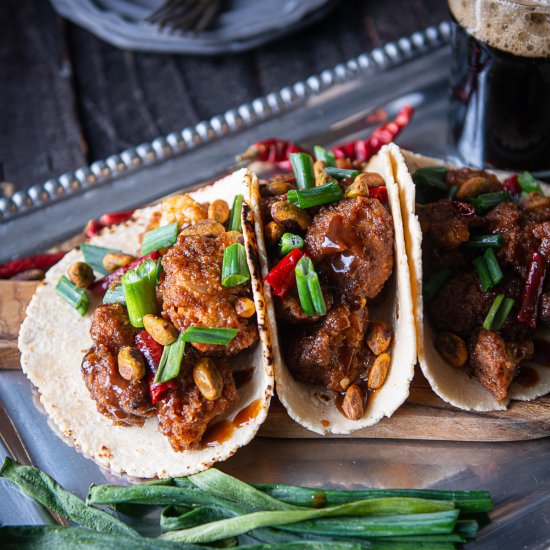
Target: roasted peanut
x=234, y=237
x=208, y=379
x=161, y=330
x=319, y=167
x=322, y=179
x=535, y=201
x=452, y=348
x=344, y=164
x=81, y=274
x=290, y=216
x=218, y=211
x=379, y=337
x=379, y=371
x=114, y=260
x=344, y=383
x=275, y=188
x=182, y=209
x=472, y=187
x=353, y=403
x=204, y=228
x=131, y=365
x=359, y=188
x=245, y=307
x=273, y=232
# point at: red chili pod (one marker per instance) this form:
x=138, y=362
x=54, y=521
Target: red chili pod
x=532, y=289
x=93, y=227
x=282, y=277
x=380, y=193
x=511, y=185
x=39, y=261
x=114, y=218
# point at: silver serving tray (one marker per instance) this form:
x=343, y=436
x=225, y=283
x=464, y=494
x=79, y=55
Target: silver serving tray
x=328, y=108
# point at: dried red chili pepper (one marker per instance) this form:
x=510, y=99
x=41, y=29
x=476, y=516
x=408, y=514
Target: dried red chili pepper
x=114, y=218
x=152, y=351
x=93, y=227
x=532, y=290
x=101, y=285
x=40, y=261
x=511, y=185
x=282, y=277
x=364, y=149
x=380, y=193
x=463, y=208
x=270, y=150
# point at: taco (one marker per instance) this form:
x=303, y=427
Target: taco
x=478, y=243
x=337, y=290
x=169, y=370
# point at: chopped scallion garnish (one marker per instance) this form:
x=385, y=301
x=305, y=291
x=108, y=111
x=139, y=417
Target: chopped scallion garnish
x=235, y=223
x=484, y=203
x=170, y=362
x=326, y=155
x=74, y=296
x=493, y=266
x=161, y=237
x=207, y=335
x=341, y=173
x=437, y=280
x=316, y=196
x=485, y=241
x=114, y=294
x=490, y=318
x=93, y=255
x=528, y=183
x=309, y=288
x=302, y=165
x=502, y=313
x=483, y=273
x=288, y=242
x=234, y=267
x=139, y=291
x=431, y=176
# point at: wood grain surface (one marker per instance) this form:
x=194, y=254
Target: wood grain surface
x=423, y=416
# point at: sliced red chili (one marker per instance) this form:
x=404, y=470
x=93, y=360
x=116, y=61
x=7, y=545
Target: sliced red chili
x=511, y=185
x=282, y=277
x=93, y=227
x=39, y=261
x=380, y=193
x=270, y=150
x=113, y=218
x=532, y=290
x=100, y=286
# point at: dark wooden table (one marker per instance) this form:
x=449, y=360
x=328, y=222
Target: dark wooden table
x=67, y=98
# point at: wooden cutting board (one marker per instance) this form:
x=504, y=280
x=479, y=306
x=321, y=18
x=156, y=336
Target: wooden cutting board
x=423, y=416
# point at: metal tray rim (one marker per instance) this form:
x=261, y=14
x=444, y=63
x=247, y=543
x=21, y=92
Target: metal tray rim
x=246, y=115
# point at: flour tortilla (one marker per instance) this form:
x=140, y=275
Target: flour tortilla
x=53, y=339
x=453, y=385
x=314, y=407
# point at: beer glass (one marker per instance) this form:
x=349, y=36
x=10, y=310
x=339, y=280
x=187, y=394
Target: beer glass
x=500, y=84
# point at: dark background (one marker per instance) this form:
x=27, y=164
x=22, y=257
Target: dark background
x=67, y=98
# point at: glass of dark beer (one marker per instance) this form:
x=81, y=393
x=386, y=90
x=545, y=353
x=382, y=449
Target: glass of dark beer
x=500, y=84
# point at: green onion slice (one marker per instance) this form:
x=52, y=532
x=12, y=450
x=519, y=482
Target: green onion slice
x=170, y=362
x=485, y=241
x=234, y=267
x=288, y=242
x=528, y=183
x=316, y=196
x=493, y=266
x=235, y=223
x=158, y=238
x=484, y=203
x=431, y=176
x=483, y=273
x=326, y=155
x=437, y=280
x=302, y=165
x=452, y=192
x=309, y=288
x=341, y=173
x=207, y=335
x=93, y=255
x=74, y=296
x=489, y=320
x=502, y=313
x=114, y=294
x=139, y=291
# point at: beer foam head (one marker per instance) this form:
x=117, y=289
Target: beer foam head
x=520, y=27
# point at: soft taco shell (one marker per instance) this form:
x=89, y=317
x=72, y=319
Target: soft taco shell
x=453, y=385
x=314, y=407
x=52, y=340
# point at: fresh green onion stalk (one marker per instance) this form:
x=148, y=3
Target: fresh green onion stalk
x=161, y=237
x=436, y=281
x=170, y=362
x=316, y=196
x=114, y=294
x=288, y=242
x=207, y=335
x=235, y=223
x=483, y=273
x=74, y=296
x=93, y=255
x=493, y=266
x=309, y=288
x=484, y=203
x=302, y=165
x=528, y=183
x=234, y=267
x=326, y=155
x=138, y=286
x=490, y=318
x=502, y=313
x=485, y=241
x=341, y=173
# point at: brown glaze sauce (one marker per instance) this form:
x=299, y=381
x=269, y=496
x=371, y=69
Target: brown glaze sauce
x=250, y=412
x=242, y=377
x=325, y=423
x=527, y=377
x=341, y=236
x=542, y=352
